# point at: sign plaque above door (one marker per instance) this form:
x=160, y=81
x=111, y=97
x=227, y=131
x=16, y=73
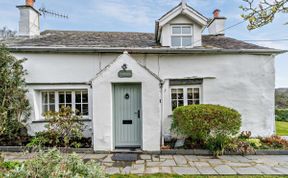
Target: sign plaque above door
x=125, y=74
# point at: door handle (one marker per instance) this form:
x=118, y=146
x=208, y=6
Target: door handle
x=139, y=114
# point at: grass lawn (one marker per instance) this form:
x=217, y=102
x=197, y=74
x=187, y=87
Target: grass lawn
x=282, y=128
x=178, y=176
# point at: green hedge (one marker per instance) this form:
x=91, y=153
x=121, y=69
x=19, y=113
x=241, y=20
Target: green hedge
x=201, y=121
x=281, y=115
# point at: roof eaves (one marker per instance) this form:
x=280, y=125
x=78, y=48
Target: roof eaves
x=144, y=50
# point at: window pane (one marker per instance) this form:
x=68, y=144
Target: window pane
x=187, y=41
x=190, y=93
x=180, y=103
x=51, y=97
x=174, y=94
x=176, y=30
x=44, y=97
x=196, y=96
x=190, y=102
x=78, y=96
x=78, y=109
x=196, y=93
x=186, y=30
x=52, y=107
x=197, y=101
x=61, y=97
x=85, y=97
x=176, y=41
x=62, y=105
x=69, y=105
x=180, y=94
x=174, y=104
x=68, y=97
x=85, y=109
x=44, y=108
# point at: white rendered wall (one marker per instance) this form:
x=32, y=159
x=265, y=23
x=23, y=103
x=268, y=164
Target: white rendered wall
x=244, y=82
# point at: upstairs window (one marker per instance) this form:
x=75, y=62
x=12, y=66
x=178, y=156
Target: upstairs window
x=181, y=36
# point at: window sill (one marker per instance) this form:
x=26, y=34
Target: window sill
x=45, y=121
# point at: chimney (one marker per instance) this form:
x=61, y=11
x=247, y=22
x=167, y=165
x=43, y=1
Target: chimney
x=29, y=23
x=216, y=13
x=217, y=25
x=30, y=3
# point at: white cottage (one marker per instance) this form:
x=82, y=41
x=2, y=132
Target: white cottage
x=127, y=84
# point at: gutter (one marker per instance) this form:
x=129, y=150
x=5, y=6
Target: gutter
x=143, y=50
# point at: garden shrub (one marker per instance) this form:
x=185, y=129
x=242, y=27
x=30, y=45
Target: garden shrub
x=9, y=165
x=64, y=128
x=274, y=142
x=200, y=121
x=212, y=125
x=245, y=135
x=218, y=143
x=281, y=115
x=54, y=164
x=240, y=146
x=255, y=142
x=14, y=105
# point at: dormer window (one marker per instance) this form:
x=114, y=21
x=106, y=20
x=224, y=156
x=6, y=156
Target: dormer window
x=181, y=36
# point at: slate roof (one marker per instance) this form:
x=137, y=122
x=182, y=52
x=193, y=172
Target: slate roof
x=80, y=39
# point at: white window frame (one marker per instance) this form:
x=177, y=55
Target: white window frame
x=182, y=35
x=56, y=93
x=185, y=89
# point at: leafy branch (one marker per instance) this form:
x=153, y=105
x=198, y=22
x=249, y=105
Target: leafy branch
x=263, y=13
x=6, y=33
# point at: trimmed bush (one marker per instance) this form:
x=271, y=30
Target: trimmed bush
x=281, y=115
x=201, y=121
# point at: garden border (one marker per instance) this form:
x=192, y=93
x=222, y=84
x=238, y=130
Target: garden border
x=199, y=152
x=209, y=153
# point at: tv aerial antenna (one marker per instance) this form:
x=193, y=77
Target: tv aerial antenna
x=46, y=12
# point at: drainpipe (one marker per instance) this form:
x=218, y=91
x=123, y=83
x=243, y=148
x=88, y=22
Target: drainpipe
x=161, y=113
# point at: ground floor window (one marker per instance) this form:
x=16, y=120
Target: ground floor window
x=185, y=95
x=77, y=100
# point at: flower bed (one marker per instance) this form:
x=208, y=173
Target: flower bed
x=243, y=144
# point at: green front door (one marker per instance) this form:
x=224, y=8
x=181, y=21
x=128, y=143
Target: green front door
x=127, y=115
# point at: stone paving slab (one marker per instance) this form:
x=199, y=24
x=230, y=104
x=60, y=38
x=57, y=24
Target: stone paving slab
x=184, y=164
x=224, y=170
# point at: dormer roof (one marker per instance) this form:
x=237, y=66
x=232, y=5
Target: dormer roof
x=180, y=9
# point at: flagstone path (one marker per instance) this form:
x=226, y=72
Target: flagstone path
x=185, y=164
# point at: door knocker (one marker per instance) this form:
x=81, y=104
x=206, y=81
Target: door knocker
x=127, y=96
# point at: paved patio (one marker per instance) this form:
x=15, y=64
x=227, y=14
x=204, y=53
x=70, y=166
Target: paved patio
x=185, y=164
